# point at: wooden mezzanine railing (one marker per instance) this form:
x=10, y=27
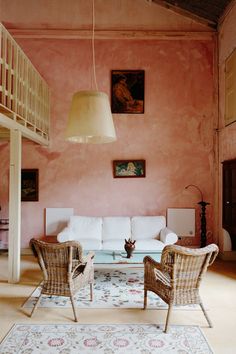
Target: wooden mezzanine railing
x=24, y=95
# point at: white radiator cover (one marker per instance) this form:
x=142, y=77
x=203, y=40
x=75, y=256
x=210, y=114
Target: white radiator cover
x=56, y=220
x=181, y=221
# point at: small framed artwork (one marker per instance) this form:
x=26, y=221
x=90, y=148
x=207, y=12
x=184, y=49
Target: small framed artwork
x=127, y=91
x=29, y=185
x=129, y=168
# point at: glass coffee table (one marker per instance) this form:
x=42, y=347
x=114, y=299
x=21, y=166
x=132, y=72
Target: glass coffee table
x=120, y=257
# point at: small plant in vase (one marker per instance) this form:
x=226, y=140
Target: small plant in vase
x=129, y=247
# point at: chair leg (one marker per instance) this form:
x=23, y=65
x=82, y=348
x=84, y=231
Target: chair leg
x=36, y=305
x=145, y=299
x=91, y=291
x=73, y=307
x=206, y=315
x=168, y=318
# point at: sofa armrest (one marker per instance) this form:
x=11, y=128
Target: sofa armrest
x=168, y=237
x=66, y=234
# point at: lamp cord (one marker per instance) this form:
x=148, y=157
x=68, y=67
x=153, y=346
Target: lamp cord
x=93, y=49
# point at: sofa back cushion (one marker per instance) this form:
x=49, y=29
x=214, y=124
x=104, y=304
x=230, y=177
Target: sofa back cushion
x=86, y=227
x=147, y=227
x=116, y=228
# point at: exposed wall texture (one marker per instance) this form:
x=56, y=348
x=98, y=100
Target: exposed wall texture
x=175, y=135
x=227, y=135
x=227, y=43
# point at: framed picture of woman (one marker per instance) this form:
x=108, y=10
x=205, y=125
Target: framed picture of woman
x=127, y=91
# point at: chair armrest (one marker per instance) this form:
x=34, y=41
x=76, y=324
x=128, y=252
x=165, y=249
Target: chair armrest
x=168, y=237
x=89, y=257
x=150, y=262
x=150, y=266
x=85, y=266
x=66, y=234
x=153, y=272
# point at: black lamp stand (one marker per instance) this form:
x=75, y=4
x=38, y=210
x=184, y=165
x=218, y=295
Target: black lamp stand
x=203, y=205
x=203, y=222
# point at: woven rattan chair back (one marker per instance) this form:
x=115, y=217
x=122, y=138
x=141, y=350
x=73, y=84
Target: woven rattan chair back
x=178, y=277
x=65, y=270
x=186, y=266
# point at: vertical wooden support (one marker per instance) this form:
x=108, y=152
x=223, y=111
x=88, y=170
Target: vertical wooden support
x=230, y=88
x=1, y=62
x=4, y=54
x=15, y=81
x=14, y=207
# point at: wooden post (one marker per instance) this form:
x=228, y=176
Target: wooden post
x=14, y=207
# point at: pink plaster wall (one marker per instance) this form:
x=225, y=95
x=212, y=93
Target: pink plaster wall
x=227, y=134
x=174, y=136
x=227, y=43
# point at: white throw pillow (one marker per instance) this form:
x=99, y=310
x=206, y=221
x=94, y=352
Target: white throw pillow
x=168, y=237
x=86, y=227
x=147, y=227
x=66, y=235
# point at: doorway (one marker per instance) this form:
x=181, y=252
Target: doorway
x=229, y=199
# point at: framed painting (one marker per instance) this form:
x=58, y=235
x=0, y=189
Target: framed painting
x=29, y=185
x=127, y=91
x=129, y=168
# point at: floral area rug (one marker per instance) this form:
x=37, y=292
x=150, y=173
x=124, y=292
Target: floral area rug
x=106, y=339
x=112, y=289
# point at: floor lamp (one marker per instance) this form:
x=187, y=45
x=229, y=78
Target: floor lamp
x=203, y=205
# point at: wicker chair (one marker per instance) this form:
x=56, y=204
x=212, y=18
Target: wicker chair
x=177, y=278
x=65, y=270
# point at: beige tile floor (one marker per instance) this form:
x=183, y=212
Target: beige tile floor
x=218, y=293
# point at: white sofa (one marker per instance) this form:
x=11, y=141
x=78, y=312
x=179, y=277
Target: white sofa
x=109, y=233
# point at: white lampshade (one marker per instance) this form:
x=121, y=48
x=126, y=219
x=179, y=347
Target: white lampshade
x=90, y=119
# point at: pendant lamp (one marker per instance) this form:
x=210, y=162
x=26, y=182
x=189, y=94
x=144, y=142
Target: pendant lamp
x=90, y=119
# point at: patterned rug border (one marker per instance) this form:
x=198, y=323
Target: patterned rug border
x=158, y=326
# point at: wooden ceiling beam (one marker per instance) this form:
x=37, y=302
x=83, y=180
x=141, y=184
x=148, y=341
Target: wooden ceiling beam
x=186, y=13
x=226, y=12
x=12, y=124
x=111, y=34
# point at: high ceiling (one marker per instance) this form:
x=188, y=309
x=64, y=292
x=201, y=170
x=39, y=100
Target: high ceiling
x=208, y=11
x=160, y=15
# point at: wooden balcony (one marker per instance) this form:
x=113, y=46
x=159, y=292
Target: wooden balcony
x=24, y=95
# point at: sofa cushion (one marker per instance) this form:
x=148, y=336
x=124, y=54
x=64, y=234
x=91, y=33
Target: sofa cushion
x=116, y=228
x=149, y=245
x=86, y=227
x=147, y=227
x=90, y=244
x=113, y=245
